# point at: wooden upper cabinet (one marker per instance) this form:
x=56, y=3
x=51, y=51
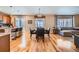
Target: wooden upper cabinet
x=7, y=19
x=0, y=17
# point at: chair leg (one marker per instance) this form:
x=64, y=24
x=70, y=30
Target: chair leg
x=37, y=39
x=43, y=40
x=43, y=37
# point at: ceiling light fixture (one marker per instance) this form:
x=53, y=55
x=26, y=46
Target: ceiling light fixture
x=39, y=15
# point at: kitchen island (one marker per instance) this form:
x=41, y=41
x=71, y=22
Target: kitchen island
x=4, y=42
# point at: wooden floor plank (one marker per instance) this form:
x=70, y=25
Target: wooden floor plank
x=49, y=44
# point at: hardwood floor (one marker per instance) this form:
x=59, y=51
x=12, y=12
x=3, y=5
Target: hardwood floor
x=49, y=44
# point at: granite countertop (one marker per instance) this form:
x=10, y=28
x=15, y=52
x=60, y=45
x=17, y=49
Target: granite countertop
x=3, y=34
x=7, y=31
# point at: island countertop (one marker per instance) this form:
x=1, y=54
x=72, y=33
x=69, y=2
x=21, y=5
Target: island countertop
x=4, y=42
x=3, y=34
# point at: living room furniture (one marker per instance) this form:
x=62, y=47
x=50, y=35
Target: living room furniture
x=67, y=31
x=76, y=40
x=33, y=31
x=47, y=31
x=55, y=30
x=40, y=33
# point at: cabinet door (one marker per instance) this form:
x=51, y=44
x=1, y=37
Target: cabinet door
x=5, y=43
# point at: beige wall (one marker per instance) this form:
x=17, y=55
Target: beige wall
x=5, y=18
x=76, y=20
x=49, y=22
x=28, y=26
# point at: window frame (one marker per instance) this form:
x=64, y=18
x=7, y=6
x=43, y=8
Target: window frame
x=40, y=19
x=65, y=15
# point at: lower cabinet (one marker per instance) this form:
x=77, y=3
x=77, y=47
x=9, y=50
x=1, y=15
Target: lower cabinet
x=5, y=43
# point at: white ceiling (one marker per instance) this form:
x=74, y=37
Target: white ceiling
x=46, y=10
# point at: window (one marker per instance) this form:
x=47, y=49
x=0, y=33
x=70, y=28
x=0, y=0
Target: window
x=64, y=21
x=18, y=22
x=1, y=21
x=39, y=22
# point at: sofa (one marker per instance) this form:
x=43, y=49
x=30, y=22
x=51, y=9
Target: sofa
x=67, y=31
x=76, y=40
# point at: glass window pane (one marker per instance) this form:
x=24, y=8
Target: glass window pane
x=39, y=23
x=64, y=21
x=18, y=22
